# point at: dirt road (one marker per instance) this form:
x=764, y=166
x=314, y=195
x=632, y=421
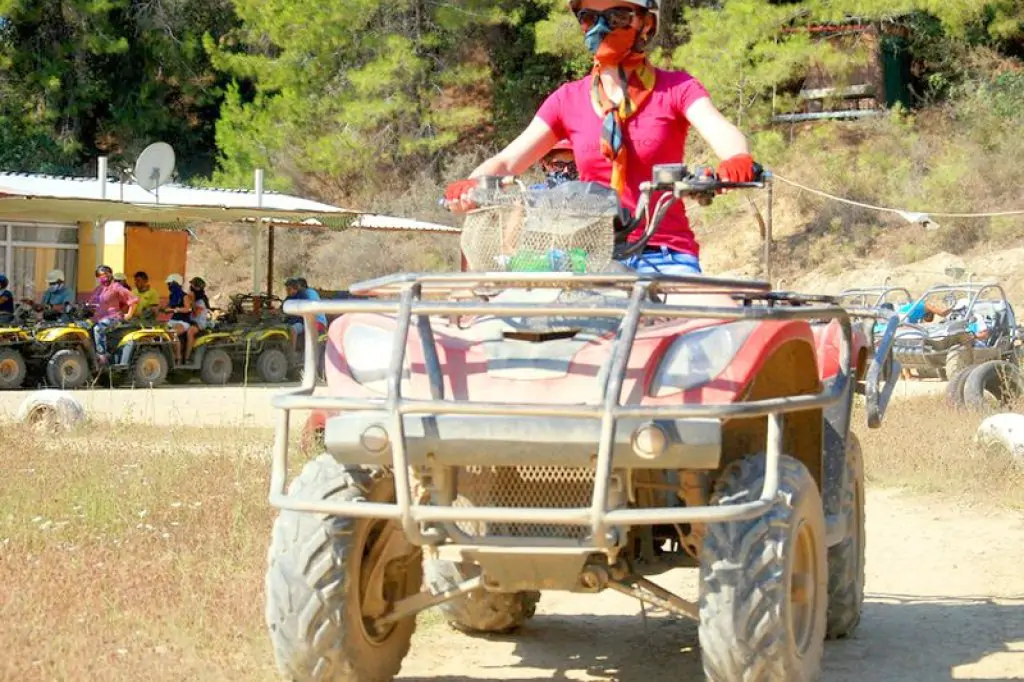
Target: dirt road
x=945, y=601
x=199, y=405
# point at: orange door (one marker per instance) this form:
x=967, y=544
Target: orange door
x=158, y=253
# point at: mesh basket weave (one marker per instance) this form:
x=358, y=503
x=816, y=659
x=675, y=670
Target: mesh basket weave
x=568, y=229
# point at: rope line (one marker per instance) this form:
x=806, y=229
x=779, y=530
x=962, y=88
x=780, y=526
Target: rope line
x=886, y=209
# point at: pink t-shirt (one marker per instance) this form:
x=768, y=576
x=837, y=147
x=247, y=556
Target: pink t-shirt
x=655, y=134
x=110, y=299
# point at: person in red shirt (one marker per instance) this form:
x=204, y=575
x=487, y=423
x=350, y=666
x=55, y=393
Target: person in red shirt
x=109, y=298
x=623, y=118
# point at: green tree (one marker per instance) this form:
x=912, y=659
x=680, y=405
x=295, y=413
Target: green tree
x=82, y=77
x=344, y=93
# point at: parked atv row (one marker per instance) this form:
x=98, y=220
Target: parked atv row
x=60, y=352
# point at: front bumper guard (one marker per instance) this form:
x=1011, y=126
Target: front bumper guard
x=608, y=414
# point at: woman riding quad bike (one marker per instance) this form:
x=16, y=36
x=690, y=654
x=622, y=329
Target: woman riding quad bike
x=645, y=115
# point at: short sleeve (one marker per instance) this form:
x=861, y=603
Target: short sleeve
x=687, y=91
x=128, y=297
x=551, y=112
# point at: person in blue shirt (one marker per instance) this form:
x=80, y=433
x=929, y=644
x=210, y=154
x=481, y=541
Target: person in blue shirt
x=57, y=296
x=6, y=300
x=298, y=289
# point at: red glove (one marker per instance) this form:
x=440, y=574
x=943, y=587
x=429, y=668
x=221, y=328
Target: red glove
x=739, y=168
x=453, y=196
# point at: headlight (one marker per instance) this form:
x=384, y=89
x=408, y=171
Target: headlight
x=699, y=356
x=368, y=354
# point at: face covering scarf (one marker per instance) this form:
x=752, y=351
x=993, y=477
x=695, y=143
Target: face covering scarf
x=615, y=49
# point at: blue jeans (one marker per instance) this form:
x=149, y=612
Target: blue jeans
x=664, y=262
x=99, y=334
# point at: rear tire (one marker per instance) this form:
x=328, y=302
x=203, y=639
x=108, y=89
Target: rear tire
x=272, y=365
x=67, y=369
x=217, y=368
x=999, y=378
x=846, y=560
x=149, y=368
x=764, y=581
x=314, y=589
x=480, y=610
x=12, y=369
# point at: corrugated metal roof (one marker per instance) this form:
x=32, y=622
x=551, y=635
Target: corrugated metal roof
x=60, y=198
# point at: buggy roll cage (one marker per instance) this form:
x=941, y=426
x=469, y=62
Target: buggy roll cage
x=976, y=289
x=411, y=289
x=880, y=293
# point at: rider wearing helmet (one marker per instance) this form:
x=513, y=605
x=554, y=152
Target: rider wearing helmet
x=200, y=320
x=180, y=310
x=644, y=114
x=57, y=296
x=6, y=299
x=559, y=165
x=122, y=280
x=110, y=298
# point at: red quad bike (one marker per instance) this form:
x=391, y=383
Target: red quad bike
x=493, y=434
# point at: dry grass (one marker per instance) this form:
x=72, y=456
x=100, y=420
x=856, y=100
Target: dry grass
x=925, y=446
x=134, y=554
x=137, y=553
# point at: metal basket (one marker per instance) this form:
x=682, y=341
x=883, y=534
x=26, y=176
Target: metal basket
x=566, y=229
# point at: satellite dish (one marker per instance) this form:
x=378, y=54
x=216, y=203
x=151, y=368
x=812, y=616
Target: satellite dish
x=154, y=166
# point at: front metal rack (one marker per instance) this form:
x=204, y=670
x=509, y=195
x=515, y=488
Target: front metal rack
x=410, y=291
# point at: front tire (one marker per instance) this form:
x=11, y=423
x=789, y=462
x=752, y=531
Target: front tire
x=149, y=368
x=763, y=586
x=846, y=560
x=317, y=582
x=480, y=610
x=957, y=360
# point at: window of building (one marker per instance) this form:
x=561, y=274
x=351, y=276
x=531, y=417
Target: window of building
x=28, y=251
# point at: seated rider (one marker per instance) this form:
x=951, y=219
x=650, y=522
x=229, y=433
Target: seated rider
x=644, y=114
x=110, y=300
x=559, y=165
x=57, y=297
x=6, y=300
x=149, y=300
x=298, y=289
x=200, y=319
x=180, y=310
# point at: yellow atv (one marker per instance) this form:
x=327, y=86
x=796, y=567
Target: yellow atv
x=15, y=338
x=212, y=358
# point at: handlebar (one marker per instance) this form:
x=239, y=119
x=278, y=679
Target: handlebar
x=673, y=181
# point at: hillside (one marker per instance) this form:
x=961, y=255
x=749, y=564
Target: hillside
x=929, y=162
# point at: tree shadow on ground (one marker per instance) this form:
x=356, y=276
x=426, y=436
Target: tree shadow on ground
x=901, y=639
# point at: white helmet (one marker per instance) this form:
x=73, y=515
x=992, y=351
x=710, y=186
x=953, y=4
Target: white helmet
x=176, y=278
x=54, y=276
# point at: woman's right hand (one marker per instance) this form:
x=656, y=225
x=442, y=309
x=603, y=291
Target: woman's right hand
x=458, y=197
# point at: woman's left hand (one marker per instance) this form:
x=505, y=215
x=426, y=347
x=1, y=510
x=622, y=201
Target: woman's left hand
x=738, y=168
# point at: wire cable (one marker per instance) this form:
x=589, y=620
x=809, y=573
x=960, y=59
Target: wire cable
x=887, y=209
